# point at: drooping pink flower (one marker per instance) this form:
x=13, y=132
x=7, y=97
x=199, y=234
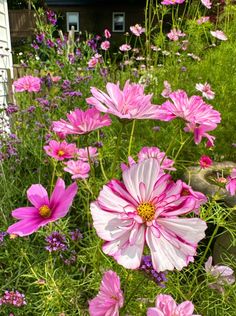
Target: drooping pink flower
x=220, y=35
x=145, y=208
x=107, y=33
x=174, y=34
x=125, y=48
x=231, y=182
x=105, y=45
x=137, y=29
x=81, y=122
x=169, y=2
x=93, y=62
x=154, y=152
x=206, y=90
x=44, y=209
x=199, y=116
x=78, y=168
x=131, y=103
x=199, y=197
x=203, y=19
x=27, y=83
x=205, y=162
x=110, y=297
x=166, y=306
x=223, y=275
x=61, y=151
x=167, y=89
x=83, y=153
x=206, y=3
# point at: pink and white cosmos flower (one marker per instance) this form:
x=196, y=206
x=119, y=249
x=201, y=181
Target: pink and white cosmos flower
x=154, y=152
x=107, y=33
x=203, y=19
x=83, y=153
x=219, y=35
x=105, y=45
x=222, y=275
x=27, y=83
x=78, y=168
x=174, y=34
x=81, y=122
x=60, y=151
x=206, y=3
x=125, y=48
x=206, y=90
x=137, y=29
x=199, y=116
x=129, y=103
x=145, y=209
x=166, y=306
x=169, y=2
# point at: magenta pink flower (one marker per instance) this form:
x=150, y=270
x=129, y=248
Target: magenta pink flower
x=131, y=103
x=207, y=3
x=222, y=275
x=83, y=154
x=145, y=208
x=174, y=34
x=61, y=151
x=199, y=116
x=81, y=122
x=105, y=45
x=27, y=83
x=137, y=29
x=231, y=182
x=125, y=48
x=110, y=297
x=169, y=2
x=220, y=35
x=44, y=209
x=206, y=90
x=166, y=306
x=55, y=78
x=203, y=19
x=205, y=162
x=199, y=197
x=78, y=168
x=167, y=89
x=107, y=33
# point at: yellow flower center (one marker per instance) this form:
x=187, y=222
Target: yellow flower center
x=60, y=153
x=146, y=210
x=45, y=211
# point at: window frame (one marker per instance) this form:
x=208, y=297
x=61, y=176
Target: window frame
x=67, y=20
x=113, y=22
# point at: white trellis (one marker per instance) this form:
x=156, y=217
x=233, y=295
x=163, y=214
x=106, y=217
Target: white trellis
x=6, y=69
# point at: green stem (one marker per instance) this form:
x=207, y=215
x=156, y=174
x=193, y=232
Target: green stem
x=53, y=175
x=117, y=151
x=131, y=138
x=204, y=256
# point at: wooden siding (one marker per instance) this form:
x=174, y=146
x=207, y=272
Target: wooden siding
x=22, y=23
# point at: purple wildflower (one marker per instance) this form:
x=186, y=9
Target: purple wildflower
x=156, y=128
x=51, y=16
x=50, y=43
x=12, y=108
x=14, y=298
x=2, y=236
x=72, y=94
x=69, y=260
x=76, y=234
x=56, y=242
x=147, y=267
x=66, y=84
x=40, y=38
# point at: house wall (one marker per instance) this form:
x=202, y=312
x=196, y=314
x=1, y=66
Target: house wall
x=95, y=19
x=22, y=23
x=5, y=64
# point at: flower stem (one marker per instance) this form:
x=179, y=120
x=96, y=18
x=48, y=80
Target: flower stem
x=204, y=256
x=117, y=151
x=131, y=138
